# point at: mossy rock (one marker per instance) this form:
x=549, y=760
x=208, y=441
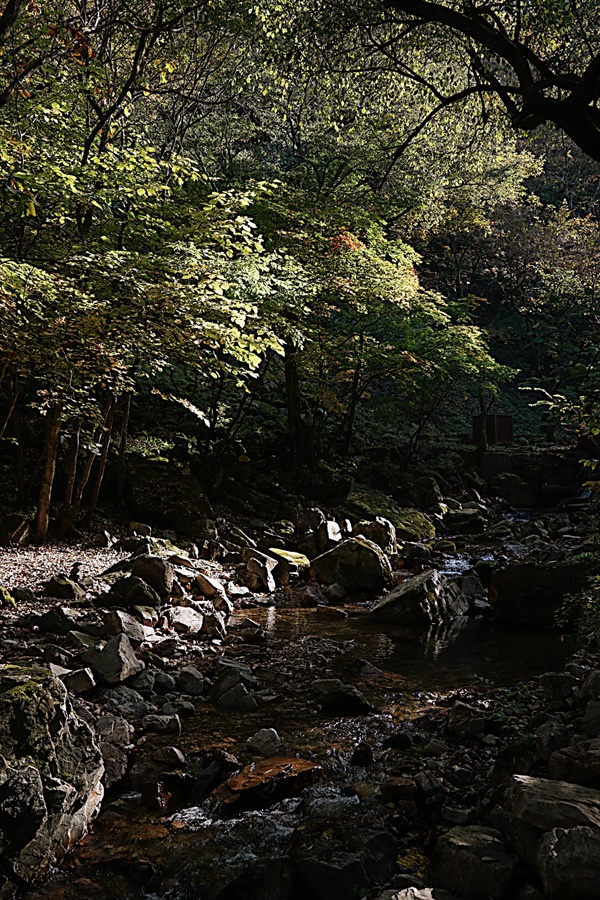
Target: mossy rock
x=366, y=502
x=6, y=599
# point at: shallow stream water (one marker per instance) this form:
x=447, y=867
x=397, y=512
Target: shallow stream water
x=130, y=843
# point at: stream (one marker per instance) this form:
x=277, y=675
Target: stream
x=191, y=850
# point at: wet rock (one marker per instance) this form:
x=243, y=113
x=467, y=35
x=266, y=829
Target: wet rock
x=341, y=699
x=345, y=865
x=425, y=599
x=162, y=724
x=262, y=784
x=579, y=763
x=395, y=789
x=191, y=681
x=50, y=773
x=117, y=661
x=467, y=720
x=266, y=742
x=357, y=564
x=473, y=862
x=130, y=591
x=568, y=862
x=239, y=698
x=416, y=893
x=548, y=804
x=64, y=588
x=464, y=521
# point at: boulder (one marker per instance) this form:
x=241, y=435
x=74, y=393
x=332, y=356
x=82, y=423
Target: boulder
x=50, y=773
x=185, y=620
x=129, y=591
x=548, y=804
x=341, y=699
x=262, y=784
x=381, y=532
x=118, y=622
x=410, y=524
x=266, y=742
x=464, y=521
x=155, y=571
x=426, y=599
x=425, y=492
x=467, y=720
x=117, y=661
x=568, y=862
x=289, y=564
x=579, y=763
x=191, y=681
x=357, y=564
x=473, y=862
x=531, y=593
x=64, y=588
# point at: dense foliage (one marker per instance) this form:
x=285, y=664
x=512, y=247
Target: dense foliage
x=267, y=225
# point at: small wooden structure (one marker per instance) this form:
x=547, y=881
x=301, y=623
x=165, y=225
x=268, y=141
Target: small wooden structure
x=498, y=429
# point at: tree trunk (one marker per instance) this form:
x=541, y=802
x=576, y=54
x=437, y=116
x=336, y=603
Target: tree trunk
x=42, y=519
x=123, y=443
x=102, y=464
x=292, y=390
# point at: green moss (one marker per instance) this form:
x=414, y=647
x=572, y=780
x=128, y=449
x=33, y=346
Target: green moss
x=410, y=524
x=6, y=599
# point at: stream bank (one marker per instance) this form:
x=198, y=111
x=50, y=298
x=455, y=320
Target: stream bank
x=283, y=751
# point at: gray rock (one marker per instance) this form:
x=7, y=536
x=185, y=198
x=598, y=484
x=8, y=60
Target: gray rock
x=548, y=804
x=238, y=697
x=155, y=571
x=428, y=598
x=118, y=622
x=467, y=720
x=191, y=681
x=591, y=718
x=185, y=620
x=329, y=535
x=64, y=588
x=568, y=862
x=381, y=532
x=163, y=682
x=162, y=724
x=130, y=591
x=342, y=699
x=114, y=730
x=357, y=564
x=79, y=681
x=266, y=742
x=261, y=567
x=115, y=763
x=549, y=737
x=169, y=757
x=117, y=661
x=50, y=773
x=59, y=620
x=579, y=763
x=473, y=862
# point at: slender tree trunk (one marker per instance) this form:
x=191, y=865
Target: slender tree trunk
x=65, y=516
x=123, y=443
x=42, y=519
x=354, y=397
x=292, y=390
x=102, y=463
x=13, y=403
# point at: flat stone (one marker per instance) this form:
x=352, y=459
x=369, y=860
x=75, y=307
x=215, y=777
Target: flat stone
x=265, y=783
x=548, y=804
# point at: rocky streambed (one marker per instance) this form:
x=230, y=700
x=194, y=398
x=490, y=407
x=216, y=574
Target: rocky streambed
x=308, y=713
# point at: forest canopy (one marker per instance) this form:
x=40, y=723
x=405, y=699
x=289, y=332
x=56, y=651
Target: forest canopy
x=305, y=226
